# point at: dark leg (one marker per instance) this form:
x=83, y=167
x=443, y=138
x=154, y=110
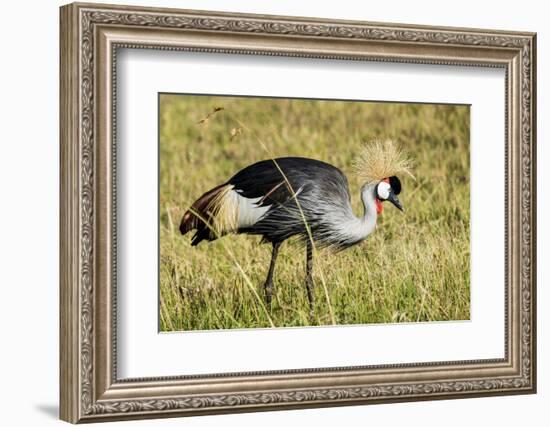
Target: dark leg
x=268, y=285
x=309, y=277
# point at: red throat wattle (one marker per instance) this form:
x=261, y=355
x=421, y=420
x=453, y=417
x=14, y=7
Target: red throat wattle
x=378, y=206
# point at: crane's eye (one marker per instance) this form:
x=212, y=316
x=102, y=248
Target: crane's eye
x=383, y=190
x=395, y=185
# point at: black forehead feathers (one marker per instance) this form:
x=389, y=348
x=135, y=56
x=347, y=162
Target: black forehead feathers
x=395, y=185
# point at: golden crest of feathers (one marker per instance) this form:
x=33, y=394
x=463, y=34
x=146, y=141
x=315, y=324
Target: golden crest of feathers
x=382, y=159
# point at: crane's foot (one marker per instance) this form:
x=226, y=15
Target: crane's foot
x=310, y=298
x=309, y=279
x=268, y=286
x=311, y=316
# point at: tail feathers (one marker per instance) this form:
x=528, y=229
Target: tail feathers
x=201, y=235
x=189, y=222
x=212, y=215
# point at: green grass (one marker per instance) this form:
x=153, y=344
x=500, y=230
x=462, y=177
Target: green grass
x=414, y=267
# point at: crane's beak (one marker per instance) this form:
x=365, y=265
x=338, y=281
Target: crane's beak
x=395, y=201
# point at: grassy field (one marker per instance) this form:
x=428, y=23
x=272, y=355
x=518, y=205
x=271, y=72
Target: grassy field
x=414, y=267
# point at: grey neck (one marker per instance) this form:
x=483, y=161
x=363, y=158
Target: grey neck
x=349, y=229
x=357, y=229
x=370, y=214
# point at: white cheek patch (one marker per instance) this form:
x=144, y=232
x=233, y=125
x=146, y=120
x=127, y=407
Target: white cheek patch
x=383, y=190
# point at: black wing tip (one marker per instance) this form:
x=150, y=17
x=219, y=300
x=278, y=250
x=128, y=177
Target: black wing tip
x=202, y=234
x=197, y=238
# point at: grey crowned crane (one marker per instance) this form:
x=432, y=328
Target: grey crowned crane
x=296, y=196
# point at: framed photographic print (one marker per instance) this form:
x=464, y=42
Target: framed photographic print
x=264, y=212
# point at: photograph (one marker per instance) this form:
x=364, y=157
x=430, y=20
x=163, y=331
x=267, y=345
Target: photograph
x=282, y=212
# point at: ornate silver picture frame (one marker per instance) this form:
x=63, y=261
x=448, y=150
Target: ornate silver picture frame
x=91, y=34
